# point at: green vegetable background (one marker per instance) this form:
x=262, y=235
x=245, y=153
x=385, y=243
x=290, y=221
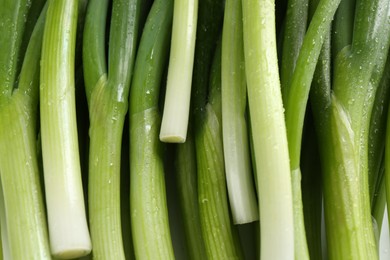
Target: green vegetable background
x=194, y=129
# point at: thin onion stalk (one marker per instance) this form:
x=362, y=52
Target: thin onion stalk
x=181, y=61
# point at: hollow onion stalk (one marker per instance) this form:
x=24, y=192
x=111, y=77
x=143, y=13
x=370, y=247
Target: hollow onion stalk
x=107, y=94
x=269, y=131
x=242, y=196
x=149, y=214
x=69, y=235
x=181, y=61
x=24, y=222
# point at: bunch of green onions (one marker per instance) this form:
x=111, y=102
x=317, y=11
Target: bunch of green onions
x=224, y=129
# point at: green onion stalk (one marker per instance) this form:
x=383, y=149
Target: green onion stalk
x=107, y=90
x=342, y=26
x=354, y=92
x=148, y=204
x=181, y=61
x=23, y=226
x=68, y=229
x=344, y=117
x=294, y=32
x=242, y=195
x=376, y=152
x=187, y=186
x=296, y=93
x=377, y=133
x=295, y=26
x=219, y=233
x=268, y=131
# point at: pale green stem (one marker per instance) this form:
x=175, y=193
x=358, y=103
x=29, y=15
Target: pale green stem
x=24, y=218
x=69, y=235
x=181, y=61
x=268, y=126
x=242, y=196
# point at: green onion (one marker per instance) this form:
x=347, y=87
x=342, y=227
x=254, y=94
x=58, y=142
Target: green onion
x=300, y=83
x=343, y=26
x=149, y=214
x=295, y=27
x=107, y=94
x=344, y=136
x=220, y=236
x=269, y=131
x=297, y=94
x=239, y=177
x=229, y=80
x=187, y=186
x=24, y=229
x=181, y=61
x=376, y=152
x=69, y=235
x=379, y=80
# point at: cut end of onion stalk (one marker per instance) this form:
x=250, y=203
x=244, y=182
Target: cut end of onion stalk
x=70, y=246
x=172, y=139
x=70, y=240
x=173, y=131
x=68, y=229
x=71, y=254
x=175, y=118
x=177, y=101
x=181, y=61
x=176, y=109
